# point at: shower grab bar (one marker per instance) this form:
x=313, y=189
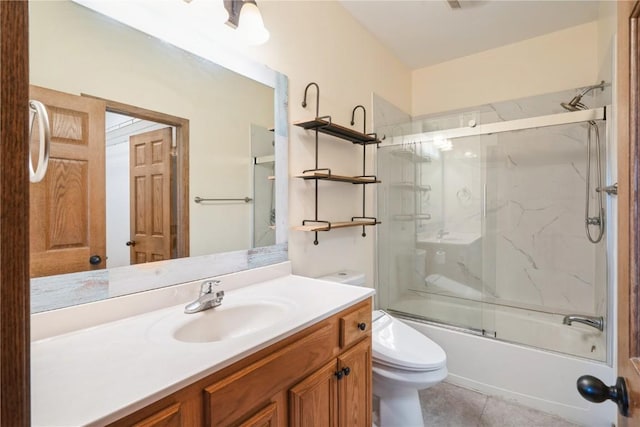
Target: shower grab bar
x=511, y=125
x=38, y=109
x=200, y=200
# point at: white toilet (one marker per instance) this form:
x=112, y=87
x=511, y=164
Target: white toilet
x=404, y=362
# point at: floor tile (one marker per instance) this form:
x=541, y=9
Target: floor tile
x=501, y=413
x=446, y=405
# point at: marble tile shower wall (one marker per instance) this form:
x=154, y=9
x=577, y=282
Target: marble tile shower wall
x=534, y=227
x=523, y=192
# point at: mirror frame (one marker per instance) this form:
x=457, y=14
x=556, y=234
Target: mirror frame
x=48, y=293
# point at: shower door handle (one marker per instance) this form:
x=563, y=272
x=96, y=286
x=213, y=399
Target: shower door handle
x=594, y=390
x=611, y=190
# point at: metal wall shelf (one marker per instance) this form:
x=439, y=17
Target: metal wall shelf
x=410, y=155
x=326, y=226
x=326, y=126
x=324, y=176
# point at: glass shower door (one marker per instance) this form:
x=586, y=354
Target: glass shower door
x=431, y=261
x=539, y=264
x=485, y=229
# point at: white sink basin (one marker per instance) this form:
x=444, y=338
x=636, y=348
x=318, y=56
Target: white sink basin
x=229, y=321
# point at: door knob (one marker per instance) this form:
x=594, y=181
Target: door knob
x=131, y=243
x=594, y=390
x=95, y=259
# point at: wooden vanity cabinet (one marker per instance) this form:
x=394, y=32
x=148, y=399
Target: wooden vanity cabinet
x=320, y=376
x=338, y=394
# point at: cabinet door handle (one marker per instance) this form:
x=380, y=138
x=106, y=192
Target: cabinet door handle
x=346, y=371
x=339, y=374
x=362, y=326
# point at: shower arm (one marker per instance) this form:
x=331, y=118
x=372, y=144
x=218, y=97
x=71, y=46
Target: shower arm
x=576, y=100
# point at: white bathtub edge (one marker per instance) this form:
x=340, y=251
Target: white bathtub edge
x=537, y=379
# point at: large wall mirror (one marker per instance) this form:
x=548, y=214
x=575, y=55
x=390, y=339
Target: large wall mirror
x=165, y=167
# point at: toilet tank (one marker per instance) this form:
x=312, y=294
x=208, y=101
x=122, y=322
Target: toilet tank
x=348, y=277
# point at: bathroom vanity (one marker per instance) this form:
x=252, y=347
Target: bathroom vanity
x=284, y=351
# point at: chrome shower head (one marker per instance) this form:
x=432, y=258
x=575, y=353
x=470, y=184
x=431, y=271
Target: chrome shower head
x=575, y=104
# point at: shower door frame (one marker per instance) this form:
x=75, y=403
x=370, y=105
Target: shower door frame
x=536, y=122
x=507, y=126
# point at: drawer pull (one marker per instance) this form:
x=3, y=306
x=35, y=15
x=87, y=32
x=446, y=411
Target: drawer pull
x=362, y=326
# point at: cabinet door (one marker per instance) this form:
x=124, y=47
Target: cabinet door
x=354, y=389
x=314, y=402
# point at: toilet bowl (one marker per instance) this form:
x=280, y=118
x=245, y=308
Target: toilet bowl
x=404, y=362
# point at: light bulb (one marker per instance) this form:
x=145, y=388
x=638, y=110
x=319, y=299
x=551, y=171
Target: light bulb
x=250, y=24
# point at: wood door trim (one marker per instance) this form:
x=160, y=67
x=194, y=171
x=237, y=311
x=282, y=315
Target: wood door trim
x=182, y=173
x=14, y=209
x=634, y=178
x=628, y=281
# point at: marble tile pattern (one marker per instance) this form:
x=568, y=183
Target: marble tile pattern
x=522, y=191
x=535, y=184
x=447, y=405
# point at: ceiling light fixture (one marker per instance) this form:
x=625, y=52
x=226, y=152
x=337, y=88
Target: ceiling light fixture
x=454, y=4
x=247, y=19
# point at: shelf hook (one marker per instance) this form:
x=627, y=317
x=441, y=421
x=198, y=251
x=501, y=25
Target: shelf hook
x=364, y=117
x=304, y=101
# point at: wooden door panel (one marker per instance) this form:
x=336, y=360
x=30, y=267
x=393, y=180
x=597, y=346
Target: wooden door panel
x=313, y=402
x=67, y=228
x=151, y=215
x=68, y=126
x=67, y=208
x=354, y=389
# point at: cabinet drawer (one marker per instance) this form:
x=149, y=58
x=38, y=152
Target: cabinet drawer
x=355, y=325
x=240, y=394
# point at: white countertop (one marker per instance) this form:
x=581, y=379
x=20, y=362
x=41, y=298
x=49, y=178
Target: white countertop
x=99, y=374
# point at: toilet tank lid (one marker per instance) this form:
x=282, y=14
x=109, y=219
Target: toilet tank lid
x=399, y=345
x=348, y=277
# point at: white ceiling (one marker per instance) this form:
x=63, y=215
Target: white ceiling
x=423, y=33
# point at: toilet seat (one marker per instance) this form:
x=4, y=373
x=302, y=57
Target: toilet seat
x=399, y=346
x=413, y=379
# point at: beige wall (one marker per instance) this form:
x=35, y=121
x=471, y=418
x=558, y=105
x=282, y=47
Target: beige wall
x=553, y=62
x=319, y=41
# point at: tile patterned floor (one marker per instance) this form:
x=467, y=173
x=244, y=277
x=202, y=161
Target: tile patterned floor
x=446, y=405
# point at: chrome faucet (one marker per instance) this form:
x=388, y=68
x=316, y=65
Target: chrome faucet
x=441, y=233
x=207, y=299
x=593, y=321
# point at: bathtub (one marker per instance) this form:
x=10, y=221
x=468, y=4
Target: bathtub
x=535, y=378
x=520, y=325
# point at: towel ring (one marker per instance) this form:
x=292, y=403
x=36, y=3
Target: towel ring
x=37, y=108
